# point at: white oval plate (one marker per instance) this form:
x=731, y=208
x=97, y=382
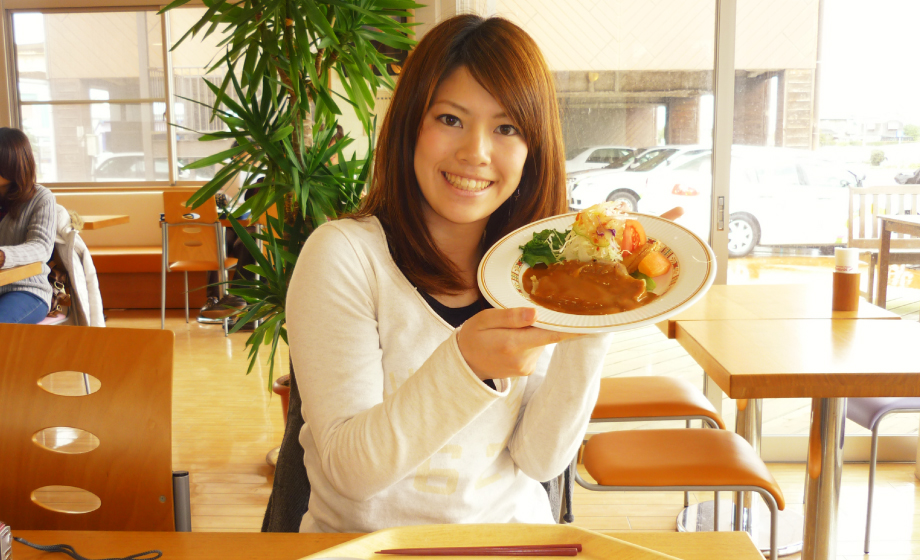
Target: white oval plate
x=692, y=273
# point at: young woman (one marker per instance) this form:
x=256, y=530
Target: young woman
x=421, y=404
x=27, y=230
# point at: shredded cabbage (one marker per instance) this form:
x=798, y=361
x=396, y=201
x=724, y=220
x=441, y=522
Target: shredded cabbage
x=595, y=235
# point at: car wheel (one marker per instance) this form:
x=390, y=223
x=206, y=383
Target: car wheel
x=743, y=234
x=631, y=200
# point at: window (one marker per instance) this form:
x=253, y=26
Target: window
x=94, y=99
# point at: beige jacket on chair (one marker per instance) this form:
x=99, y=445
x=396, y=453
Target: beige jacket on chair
x=86, y=309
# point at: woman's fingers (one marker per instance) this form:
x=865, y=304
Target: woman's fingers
x=514, y=318
x=501, y=343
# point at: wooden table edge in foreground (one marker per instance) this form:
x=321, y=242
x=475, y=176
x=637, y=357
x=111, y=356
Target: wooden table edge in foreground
x=98, y=222
x=292, y=546
x=17, y=273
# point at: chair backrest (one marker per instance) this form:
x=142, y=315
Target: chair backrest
x=868, y=202
x=130, y=415
x=192, y=236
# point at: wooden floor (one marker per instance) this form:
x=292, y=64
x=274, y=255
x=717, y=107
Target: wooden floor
x=225, y=421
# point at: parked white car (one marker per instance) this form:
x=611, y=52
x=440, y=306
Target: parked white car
x=595, y=157
x=779, y=196
x=627, y=184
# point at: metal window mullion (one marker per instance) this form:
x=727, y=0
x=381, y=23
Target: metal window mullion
x=723, y=123
x=168, y=86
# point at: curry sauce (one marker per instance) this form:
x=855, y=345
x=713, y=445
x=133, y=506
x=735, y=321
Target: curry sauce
x=585, y=288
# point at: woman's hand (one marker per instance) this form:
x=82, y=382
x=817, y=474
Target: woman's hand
x=500, y=343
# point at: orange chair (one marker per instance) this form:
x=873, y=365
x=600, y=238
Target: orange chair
x=193, y=240
x=653, y=397
x=685, y=460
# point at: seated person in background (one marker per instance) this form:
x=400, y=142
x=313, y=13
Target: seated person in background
x=27, y=229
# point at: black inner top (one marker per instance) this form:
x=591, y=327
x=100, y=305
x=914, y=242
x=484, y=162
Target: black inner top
x=456, y=316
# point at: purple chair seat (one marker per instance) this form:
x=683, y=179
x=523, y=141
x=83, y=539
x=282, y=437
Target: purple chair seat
x=868, y=410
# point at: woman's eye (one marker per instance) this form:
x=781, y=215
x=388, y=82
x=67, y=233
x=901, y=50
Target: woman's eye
x=508, y=130
x=449, y=120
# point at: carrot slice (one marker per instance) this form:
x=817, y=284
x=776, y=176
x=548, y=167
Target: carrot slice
x=654, y=264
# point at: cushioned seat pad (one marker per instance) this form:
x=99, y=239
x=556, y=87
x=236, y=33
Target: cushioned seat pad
x=651, y=396
x=681, y=457
x=866, y=411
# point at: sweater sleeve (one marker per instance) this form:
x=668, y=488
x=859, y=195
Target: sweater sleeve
x=40, y=232
x=367, y=440
x=557, y=406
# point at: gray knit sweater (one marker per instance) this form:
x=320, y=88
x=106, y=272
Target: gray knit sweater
x=28, y=239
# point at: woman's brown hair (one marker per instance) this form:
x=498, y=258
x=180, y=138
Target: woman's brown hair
x=508, y=64
x=17, y=165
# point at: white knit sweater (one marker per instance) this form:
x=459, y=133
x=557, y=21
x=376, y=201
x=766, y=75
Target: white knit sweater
x=399, y=430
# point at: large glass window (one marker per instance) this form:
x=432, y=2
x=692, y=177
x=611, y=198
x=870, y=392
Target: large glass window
x=93, y=95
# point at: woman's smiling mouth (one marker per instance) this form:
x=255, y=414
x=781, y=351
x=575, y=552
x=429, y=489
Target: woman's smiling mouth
x=464, y=183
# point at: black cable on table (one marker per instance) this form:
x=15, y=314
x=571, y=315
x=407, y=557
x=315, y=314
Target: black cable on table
x=70, y=551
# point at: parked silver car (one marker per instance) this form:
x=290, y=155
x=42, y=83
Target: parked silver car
x=626, y=184
x=595, y=157
x=778, y=196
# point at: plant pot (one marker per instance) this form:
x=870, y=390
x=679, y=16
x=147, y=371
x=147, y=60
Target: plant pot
x=282, y=388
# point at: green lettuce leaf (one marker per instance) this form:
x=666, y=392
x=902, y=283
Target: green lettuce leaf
x=541, y=248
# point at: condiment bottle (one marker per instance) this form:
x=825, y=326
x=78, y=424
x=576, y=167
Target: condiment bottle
x=846, y=279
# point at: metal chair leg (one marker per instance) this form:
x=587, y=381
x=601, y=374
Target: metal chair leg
x=873, y=457
x=163, y=266
x=186, y=295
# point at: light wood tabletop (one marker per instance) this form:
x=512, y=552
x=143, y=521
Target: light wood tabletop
x=290, y=546
x=17, y=273
x=908, y=225
x=770, y=301
x=821, y=358
x=99, y=222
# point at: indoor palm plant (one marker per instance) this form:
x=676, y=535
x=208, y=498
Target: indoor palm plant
x=277, y=103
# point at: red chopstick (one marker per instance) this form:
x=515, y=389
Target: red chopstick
x=513, y=550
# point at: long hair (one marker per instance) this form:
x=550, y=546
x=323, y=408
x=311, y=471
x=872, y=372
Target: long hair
x=508, y=64
x=17, y=165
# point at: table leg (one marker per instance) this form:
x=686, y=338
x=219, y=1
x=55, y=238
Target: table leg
x=748, y=419
x=713, y=392
x=822, y=487
x=881, y=298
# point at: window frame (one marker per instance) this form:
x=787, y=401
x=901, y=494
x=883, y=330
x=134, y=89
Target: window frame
x=13, y=103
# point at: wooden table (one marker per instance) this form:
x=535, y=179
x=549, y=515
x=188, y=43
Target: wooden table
x=910, y=225
x=770, y=301
x=290, y=546
x=17, y=273
x=99, y=222
x=824, y=359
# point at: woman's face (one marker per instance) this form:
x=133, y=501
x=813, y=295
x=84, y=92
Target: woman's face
x=4, y=186
x=469, y=155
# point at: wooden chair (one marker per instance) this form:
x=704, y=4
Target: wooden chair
x=863, y=231
x=129, y=417
x=196, y=243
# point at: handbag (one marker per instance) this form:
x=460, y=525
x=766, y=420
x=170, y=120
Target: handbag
x=60, y=287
